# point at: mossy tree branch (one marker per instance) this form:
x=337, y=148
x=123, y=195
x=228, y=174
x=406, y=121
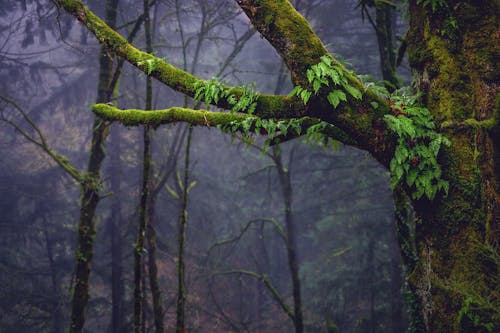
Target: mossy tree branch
x=300, y=48
x=291, y=35
x=268, y=106
x=154, y=118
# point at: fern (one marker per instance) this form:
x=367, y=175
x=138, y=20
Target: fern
x=433, y=4
x=274, y=129
x=247, y=102
x=329, y=74
x=151, y=64
x=213, y=90
x=418, y=144
x=209, y=91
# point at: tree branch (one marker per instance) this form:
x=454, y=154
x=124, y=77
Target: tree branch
x=300, y=48
x=61, y=160
x=134, y=117
x=267, y=283
x=276, y=225
x=291, y=35
x=268, y=106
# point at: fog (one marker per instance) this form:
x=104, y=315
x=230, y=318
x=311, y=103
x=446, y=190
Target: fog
x=241, y=200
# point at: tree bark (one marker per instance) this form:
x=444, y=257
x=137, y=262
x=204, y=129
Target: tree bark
x=454, y=51
x=154, y=283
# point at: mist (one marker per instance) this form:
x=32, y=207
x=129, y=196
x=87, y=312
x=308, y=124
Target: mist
x=265, y=227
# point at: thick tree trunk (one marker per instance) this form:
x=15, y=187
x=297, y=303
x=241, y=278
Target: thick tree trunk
x=455, y=52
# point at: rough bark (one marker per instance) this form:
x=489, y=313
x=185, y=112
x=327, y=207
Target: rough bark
x=458, y=72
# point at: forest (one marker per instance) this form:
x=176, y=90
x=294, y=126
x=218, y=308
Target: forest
x=260, y=166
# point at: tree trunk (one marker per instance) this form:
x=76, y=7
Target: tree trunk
x=115, y=235
x=154, y=284
x=57, y=315
x=90, y=189
x=145, y=192
x=385, y=37
x=291, y=243
x=454, y=51
x=181, y=293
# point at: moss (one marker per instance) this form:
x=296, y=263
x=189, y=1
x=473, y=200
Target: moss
x=455, y=78
x=290, y=33
x=445, y=70
x=134, y=117
x=474, y=272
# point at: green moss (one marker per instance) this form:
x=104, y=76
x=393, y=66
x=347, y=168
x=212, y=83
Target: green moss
x=291, y=34
x=446, y=70
x=474, y=272
x=455, y=225
x=134, y=117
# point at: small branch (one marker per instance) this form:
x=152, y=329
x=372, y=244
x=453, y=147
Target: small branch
x=267, y=283
x=487, y=124
x=61, y=160
x=279, y=229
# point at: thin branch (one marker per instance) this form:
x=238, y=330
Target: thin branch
x=267, y=283
x=279, y=229
x=61, y=160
